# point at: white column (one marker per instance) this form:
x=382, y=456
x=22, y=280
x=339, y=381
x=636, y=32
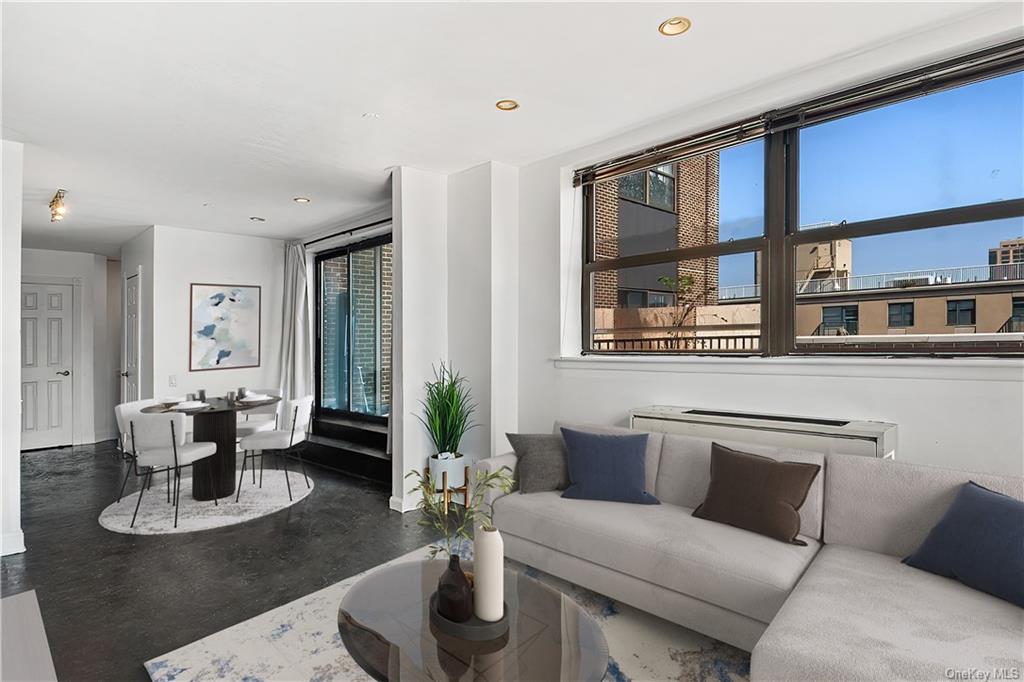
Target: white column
x=419, y=205
x=13, y=540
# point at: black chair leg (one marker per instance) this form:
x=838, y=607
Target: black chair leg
x=124, y=483
x=177, y=493
x=168, y=486
x=284, y=463
x=261, y=469
x=213, y=484
x=142, y=489
x=241, y=476
x=254, y=470
x=302, y=463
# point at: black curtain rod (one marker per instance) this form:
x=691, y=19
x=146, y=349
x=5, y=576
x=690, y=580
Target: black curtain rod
x=348, y=231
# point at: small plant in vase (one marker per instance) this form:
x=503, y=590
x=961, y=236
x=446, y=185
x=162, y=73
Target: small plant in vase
x=455, y=591
x=447, y=415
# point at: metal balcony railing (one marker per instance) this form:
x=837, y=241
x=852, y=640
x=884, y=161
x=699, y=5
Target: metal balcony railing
x=674, y=343
x=907, y=279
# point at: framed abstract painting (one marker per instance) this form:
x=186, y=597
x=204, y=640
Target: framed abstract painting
x=225, y=327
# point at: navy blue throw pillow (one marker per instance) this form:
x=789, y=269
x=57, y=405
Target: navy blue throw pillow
x=980, y=542
x=606, y=467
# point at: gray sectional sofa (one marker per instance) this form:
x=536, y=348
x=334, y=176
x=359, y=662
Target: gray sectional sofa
x=843, y=607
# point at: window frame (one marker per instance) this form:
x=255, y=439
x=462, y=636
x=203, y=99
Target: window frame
x=647, y=188
x=954, y=306
x=781, y=237
x=905, y=320
x=320, y=411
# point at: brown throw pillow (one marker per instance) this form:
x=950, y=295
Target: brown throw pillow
x=757, y=493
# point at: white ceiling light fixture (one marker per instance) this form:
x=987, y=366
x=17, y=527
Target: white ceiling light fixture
x=57, y=207
x=506, y=105
x=676, y=26
x=301, y=200
x=370, y=114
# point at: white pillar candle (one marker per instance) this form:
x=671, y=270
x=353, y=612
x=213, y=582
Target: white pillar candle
x=488, y=575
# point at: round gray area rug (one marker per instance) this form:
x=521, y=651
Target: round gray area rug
x=156, y=515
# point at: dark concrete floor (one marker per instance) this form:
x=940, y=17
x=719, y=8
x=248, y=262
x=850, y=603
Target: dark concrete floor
x=111, y=601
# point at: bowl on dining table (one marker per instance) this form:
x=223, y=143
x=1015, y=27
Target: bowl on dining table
x=171, y=401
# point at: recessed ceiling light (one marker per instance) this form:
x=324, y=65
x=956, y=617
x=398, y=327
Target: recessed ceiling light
x=257, y=219
x=370, y=114
x=674, y=26
x=301, y=200
x=507, y=104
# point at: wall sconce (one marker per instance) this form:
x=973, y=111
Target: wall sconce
x=57, y=208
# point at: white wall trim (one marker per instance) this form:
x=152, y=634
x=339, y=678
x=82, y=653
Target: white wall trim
x=12, y=543
x=923, y=369
x=404, y=504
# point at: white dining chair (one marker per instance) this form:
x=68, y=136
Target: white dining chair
x=299, y=413
x=262, y=418
x=123, y=414
x=158, y=444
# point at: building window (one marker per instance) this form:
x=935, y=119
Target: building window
x=771, y=233
x=655, y=187
x=1017, y=310
x=901, y=315
x=354, y=330
x=960, y=313
x=838, y=320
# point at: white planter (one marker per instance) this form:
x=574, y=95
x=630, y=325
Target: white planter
x=488, y=575
x=455, y=467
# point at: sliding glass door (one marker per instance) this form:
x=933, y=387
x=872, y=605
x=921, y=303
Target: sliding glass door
x=354, y=340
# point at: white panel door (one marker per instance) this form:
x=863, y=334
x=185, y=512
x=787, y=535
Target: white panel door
x=130, y=370
x=46, y=365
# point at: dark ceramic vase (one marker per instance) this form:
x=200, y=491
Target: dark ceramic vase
x=454, y=593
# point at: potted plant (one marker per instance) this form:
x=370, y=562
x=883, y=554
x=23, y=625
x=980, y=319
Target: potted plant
x=447, y=415
x=455, y=600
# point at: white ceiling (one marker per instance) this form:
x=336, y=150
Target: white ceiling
x=201, y=115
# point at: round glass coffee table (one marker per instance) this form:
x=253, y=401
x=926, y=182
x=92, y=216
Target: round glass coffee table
x=385, y=625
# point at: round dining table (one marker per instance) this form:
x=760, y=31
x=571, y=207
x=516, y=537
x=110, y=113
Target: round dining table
x=214, y=423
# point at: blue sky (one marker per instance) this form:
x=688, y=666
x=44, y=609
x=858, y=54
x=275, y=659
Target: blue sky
x=957, y=147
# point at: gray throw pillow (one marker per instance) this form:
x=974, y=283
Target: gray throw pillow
x=542, y=462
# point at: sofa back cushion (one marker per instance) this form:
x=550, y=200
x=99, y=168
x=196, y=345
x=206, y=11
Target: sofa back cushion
x=684, y=473
x=652, y=455
x=889, y=507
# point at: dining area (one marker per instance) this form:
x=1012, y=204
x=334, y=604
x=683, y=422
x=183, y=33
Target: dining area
x=202, y=446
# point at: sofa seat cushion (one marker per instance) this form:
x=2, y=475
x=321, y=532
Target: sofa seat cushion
x=861, y=615
x=664, y=545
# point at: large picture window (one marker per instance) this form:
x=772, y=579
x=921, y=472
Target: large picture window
x=354, y=316
x=878, y=220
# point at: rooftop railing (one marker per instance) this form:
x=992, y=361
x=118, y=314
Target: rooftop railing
x=907, y=279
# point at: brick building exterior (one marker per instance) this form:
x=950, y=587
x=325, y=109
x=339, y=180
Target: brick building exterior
x=697, y=224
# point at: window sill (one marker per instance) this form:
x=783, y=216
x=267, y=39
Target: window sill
x=929, y=369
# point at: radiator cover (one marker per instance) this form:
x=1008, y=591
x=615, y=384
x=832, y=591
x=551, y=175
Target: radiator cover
x=845, y=436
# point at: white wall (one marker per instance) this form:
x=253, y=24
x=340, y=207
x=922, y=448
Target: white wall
x=469, y=296
x=137, y=257
x=955, y=412
x=420, y=315
x=114, y=333
x=483, y=293
x=93, y=395
x=182, y=257
x=11, y=187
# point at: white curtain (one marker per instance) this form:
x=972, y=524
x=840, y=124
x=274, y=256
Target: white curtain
x=296, y=332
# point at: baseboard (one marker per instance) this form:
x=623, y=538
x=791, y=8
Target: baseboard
x=12, y=543
x=402, y=504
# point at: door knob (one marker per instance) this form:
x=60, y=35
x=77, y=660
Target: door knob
x=125, y=373
x=64, y=373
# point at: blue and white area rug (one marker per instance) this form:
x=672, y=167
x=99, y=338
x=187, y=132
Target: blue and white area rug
x=156, y=514
x=300, y=641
